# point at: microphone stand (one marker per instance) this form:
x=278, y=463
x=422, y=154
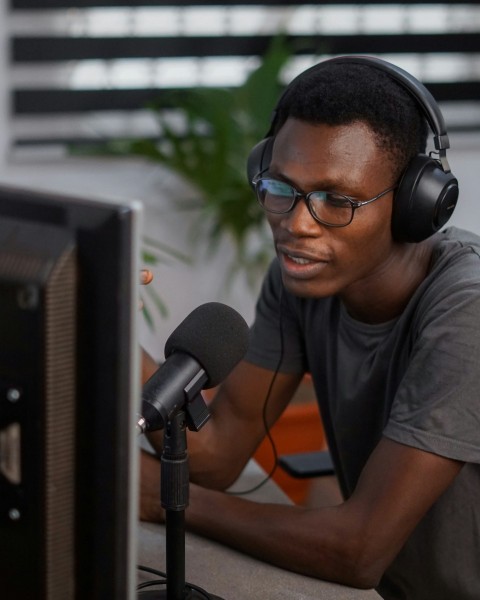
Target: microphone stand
x=174, y=495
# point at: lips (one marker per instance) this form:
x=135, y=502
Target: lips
x=302, y=255
x=301, y=264
x=299, y=260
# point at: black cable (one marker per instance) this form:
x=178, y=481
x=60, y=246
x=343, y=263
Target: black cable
x=199, y=589
x=153, y=582
x=152, y=571
x=268, y=434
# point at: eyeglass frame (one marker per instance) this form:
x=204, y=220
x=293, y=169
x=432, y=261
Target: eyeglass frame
x=354, y=204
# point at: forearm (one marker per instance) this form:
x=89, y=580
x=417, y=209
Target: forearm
x=312, y=542
x=352, y=543
x=318, y=543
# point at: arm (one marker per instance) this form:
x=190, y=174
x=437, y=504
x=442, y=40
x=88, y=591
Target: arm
x=236, y=426
x=352, y=543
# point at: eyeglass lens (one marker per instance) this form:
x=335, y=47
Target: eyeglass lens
x=279, y=197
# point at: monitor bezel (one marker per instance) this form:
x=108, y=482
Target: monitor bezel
x=107, y=234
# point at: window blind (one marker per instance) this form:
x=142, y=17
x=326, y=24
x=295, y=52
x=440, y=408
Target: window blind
x=84, y=71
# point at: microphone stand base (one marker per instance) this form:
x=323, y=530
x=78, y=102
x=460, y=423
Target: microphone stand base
x=190, y=594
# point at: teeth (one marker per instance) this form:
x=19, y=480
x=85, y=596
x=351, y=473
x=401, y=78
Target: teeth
x=300, y=261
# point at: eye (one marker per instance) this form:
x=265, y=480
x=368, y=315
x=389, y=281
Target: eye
x=276, y=188
x=337, y=200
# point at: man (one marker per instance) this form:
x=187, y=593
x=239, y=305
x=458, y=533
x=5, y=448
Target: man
x=390, y=332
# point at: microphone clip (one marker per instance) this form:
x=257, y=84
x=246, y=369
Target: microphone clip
x=197, y=413
x=196, y=410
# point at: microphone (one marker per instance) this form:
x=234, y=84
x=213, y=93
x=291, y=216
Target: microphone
x=199, y=354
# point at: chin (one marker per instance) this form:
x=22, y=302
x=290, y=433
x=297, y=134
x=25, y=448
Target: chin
x=307, y=289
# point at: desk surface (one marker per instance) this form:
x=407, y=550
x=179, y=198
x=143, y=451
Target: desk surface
x=236, y=576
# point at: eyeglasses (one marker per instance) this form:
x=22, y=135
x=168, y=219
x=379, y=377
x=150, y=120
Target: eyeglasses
x=329, y=208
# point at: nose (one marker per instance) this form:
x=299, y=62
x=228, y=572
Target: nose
x=299, y=222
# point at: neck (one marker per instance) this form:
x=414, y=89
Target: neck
x=385, y=294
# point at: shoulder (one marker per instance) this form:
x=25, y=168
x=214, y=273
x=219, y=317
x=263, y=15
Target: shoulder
x=444, y=311
x=453, y=245
x=454, y=269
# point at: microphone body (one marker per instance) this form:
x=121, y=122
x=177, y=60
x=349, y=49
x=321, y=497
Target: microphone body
x=166, y=391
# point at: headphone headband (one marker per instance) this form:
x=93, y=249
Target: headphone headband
x=416, y=89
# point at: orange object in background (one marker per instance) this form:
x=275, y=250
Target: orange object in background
x=299, y=429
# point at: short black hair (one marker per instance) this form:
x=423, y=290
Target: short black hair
x=343, y=93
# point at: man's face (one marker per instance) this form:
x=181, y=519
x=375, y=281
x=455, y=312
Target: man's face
x=317, y=260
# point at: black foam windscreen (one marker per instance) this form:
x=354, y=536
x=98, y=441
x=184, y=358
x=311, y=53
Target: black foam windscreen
x=215, y=335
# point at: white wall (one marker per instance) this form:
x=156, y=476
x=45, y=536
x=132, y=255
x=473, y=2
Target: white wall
x=464, y=159
x=181, y=286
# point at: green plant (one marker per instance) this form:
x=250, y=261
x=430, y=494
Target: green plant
x=209, y=148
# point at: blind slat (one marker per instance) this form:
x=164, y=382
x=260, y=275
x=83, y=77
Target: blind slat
x=49, y=101
x=52, y=4
x=36, y=49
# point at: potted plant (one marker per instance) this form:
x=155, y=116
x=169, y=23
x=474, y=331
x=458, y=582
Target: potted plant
x=207, y=145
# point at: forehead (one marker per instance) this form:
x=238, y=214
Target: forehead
x=318, y=152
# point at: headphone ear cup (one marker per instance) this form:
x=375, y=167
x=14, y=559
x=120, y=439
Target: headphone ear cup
x=259, y=158
x=424, y=201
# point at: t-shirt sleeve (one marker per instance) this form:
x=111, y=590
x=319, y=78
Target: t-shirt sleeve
x=437, y=404
x=276, y=341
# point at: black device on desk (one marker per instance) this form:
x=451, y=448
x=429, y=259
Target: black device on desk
x=304, y=465
x=69, y=387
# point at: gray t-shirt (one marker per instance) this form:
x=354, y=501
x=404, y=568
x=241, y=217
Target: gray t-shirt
x=416, y=380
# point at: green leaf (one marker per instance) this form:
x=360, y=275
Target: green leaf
x=147, y=315
x=159, y=303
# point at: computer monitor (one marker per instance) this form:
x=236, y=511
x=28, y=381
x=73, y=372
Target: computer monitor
x=69, y=393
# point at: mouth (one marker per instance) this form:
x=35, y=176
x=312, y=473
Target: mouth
x=300, y=265
x=299, y=260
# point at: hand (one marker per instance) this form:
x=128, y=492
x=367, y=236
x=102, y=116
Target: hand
x=150, y=507
x=146, y=277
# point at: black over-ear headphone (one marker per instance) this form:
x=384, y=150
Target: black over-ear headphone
x=427, y=193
